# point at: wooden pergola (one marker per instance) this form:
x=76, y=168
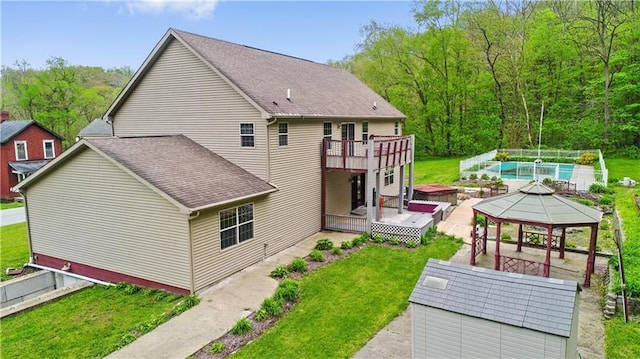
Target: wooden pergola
x=536, y=205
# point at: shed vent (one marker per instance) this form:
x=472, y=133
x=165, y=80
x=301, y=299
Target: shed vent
x=435, y=282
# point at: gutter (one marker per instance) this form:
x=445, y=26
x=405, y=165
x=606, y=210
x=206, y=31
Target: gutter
x=78, y=276
x=237, y=199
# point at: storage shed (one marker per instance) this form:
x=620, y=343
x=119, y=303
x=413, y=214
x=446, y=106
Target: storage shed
x=460, y=311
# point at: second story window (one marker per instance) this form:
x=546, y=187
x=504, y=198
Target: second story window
x=21, y=151
x=283, y=134
x=327, y=128
x=48, y=149
x=247, y=135
x=365, y=131
x=396, y=128
x=389, y=176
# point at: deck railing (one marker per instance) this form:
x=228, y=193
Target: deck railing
x=388, y=152
x=342, y=223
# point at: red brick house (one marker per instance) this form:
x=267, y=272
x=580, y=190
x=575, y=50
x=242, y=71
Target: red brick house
x=25, y=147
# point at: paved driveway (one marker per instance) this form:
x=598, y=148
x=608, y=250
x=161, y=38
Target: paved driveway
x=11, y=216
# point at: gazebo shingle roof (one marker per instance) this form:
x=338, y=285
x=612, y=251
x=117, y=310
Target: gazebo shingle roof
x=539, y=204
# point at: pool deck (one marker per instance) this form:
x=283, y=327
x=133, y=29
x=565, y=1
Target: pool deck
x=583, y=177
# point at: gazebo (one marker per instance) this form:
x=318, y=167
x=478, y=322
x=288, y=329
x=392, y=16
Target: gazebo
x=535, y=205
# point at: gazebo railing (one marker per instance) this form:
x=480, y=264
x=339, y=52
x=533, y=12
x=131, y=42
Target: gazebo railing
x=539, y=239
x=519, y=265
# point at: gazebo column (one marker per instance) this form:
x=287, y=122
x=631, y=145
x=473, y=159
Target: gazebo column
x=484, y=235
x=496, y=260
x=547, y=259
x=562, y=242
x=591, y=259
x=472, y=260
x=519, y=248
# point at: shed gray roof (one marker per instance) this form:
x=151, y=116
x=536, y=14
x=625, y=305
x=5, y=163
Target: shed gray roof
x=182, y=169
x=538, y=203
x=317, y=90
x=97, y=128
x=9, y=129
x=541, y=304
x=28, y=167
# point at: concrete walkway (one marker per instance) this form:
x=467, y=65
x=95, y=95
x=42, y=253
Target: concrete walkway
x=220, y=307
x=12, y=216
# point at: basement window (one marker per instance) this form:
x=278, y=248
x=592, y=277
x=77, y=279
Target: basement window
x=236, y=225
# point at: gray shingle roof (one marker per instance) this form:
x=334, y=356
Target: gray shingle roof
x=187, y=172
x=97, y=128
x=28, y=167
x=537, y=203
x=541, y=304
x=317, y=90
x=8, y=129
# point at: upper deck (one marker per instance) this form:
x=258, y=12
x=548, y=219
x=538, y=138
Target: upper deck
x=353, y=156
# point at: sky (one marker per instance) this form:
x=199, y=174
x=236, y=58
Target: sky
x=122, y=33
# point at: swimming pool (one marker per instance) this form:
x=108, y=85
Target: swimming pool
x=524, y=170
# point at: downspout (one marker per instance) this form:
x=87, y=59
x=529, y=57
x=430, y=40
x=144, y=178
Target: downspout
x=191, y=217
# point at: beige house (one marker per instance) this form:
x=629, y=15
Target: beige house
x=222, y=155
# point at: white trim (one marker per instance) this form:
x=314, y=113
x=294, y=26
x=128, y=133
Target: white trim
x=253, y=134
x=26, y=152
x=236, y=226
x=283, y=134
x=44, y=149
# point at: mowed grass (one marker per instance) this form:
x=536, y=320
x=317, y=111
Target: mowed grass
x=439, y=170
x=85, y=324
x=622, y=339
x=346, y=303
x=14, y=248
x=8, y=205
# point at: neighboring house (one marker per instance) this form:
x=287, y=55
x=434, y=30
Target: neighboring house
x=301, y=129
x=459, y=311
x=97, y=128
x=26, y=147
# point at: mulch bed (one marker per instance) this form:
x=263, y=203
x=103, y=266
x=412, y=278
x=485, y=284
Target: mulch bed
x=233, y=343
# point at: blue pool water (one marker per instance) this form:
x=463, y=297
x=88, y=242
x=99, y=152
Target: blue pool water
x=524, y=170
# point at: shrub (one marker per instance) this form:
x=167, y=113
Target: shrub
x=131, y=289
x=217, y=348
x=473, y=176
x=605, y=200
x=288, y=290
x=336, y=251
x=273, y=307
x=502, y=156
x=547, y=181
x=261, y=315
x=480, y=220
x=586, y=159
x=188, y=302
x=279, y=272
x=604, y=225
x=411, y=244
x=297, y=265
x=316, y=256
x=484, y=177
x=570, y=244
x=360, y=239
x=346, y=245
x=242, y=327
x=394, y=241
x=379, y=239
x=586, y=202
x=505, y=235
x=600, y=188
x=324, y=244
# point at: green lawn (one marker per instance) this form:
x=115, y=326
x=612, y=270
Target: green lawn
x=7, y=205
x=440, y=170
x=346, y=303
x=86, y=324
x=14, y=249
x=622, y=339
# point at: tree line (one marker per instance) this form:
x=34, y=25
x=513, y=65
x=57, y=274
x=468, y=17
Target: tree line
x=474, y=76
x=61, y=97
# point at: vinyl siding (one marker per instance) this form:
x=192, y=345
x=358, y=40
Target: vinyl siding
x=91, y=212
x=294, y=211
x=182, y=95
x=438, y=333
x=212, y=264
x=338, y=193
